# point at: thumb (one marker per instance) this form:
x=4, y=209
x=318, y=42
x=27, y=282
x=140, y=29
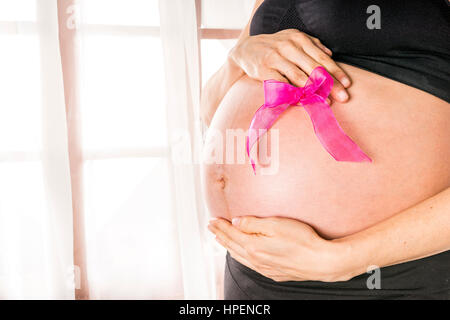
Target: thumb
x=249, y=224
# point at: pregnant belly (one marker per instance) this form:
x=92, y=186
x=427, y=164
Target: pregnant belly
x=404, y=130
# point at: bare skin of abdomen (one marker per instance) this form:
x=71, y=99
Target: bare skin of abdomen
x=404, y=130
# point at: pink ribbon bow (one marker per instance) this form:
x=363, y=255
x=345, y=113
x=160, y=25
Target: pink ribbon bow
x=279, y=96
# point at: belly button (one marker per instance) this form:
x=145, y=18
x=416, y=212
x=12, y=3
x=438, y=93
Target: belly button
x=222, y=181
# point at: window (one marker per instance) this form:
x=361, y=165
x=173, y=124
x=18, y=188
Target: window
x=126, y=169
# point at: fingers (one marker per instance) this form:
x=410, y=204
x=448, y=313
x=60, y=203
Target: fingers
x=341, y=80
x=236, y=251
x=292, y=56
x=264, y=270
x=226, y=242
x=318, y=55
x=307, y=63
x=338, y=91
x=297, y=35
x=238, y=255
x=321, y=46
x=300, y=58
x=290, y=70
x=274, y=75
x=228, y=233
x=254, y=225
x=226, y=236
x=307, y=55
x=242, y=253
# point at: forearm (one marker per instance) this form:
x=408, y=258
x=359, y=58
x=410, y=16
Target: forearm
x=417, y=232
x=217, y=87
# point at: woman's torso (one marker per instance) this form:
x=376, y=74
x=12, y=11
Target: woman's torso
x=404, y=130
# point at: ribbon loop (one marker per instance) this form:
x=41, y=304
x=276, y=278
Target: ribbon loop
x=279, y=96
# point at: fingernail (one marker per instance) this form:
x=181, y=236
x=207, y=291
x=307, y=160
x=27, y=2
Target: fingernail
x=343, y=95
x=235, y=221
x=345, y=82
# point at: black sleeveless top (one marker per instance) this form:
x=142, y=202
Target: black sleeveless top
x=411, y=45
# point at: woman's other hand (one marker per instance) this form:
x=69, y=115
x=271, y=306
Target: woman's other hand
x=282, y=249
x=288, y=56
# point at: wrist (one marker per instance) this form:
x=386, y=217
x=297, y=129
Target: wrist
x=344, y=260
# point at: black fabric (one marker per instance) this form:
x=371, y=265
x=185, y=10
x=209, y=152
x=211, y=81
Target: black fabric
x=424, y=279
x=412, y=46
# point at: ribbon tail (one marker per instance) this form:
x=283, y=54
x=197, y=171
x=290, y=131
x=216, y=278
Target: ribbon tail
x=263, y=119
x=330, y=134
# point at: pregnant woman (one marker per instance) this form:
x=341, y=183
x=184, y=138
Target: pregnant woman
x=314, y=227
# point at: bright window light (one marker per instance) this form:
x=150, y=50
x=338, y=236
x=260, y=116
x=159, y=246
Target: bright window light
x=121, y=12
x=214, y=53
x=20, y=93
x=130, y=229
x=18, y=10
x=123, y=92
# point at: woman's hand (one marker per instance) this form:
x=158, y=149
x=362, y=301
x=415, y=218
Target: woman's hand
x=288, y=56
x=282, y=249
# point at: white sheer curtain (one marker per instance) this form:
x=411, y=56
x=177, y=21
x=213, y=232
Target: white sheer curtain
x=35, y=194
x=181, y=56
x=105, y=158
